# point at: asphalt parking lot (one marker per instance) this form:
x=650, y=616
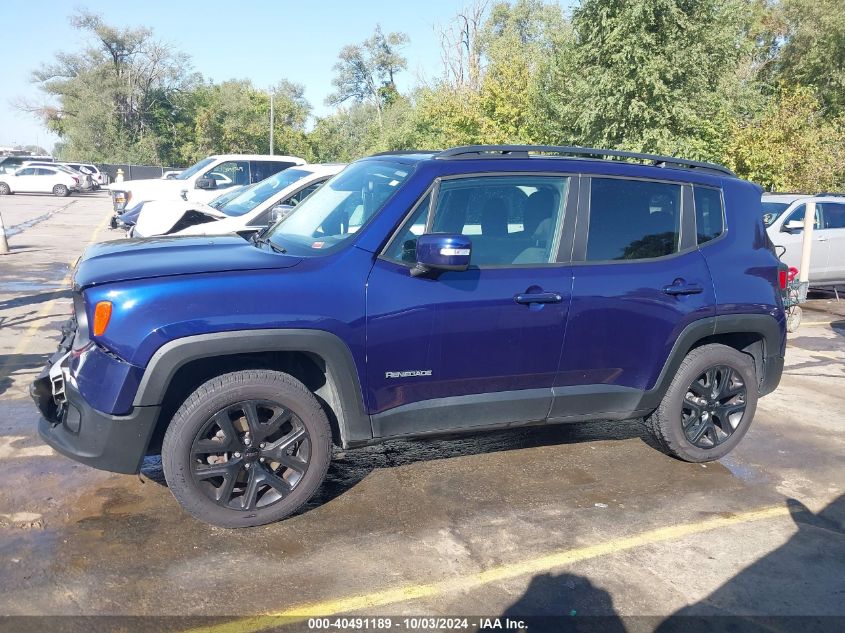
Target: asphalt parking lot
x=577, y=520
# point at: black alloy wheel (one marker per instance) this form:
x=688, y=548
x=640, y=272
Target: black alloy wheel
x=713, y=407
x=250, y=455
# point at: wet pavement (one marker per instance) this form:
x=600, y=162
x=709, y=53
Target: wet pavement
x=572, y=520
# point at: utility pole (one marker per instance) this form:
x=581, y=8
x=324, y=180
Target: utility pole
x=272, y=122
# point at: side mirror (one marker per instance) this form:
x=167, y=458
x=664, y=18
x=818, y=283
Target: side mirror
x=280, y=212
x=442, y=251
x=793, y=226
x=206, y=183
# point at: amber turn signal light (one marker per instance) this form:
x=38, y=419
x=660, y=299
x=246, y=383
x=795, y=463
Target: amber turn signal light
x=102, y=314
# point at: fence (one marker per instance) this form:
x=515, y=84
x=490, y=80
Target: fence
x=134, y=172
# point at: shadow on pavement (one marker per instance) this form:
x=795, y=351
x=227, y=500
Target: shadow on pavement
x=562, y=602
x=41, y=297
x=796, y=587
x=10, y=363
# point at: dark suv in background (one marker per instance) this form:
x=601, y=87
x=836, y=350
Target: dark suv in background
x=423, y=293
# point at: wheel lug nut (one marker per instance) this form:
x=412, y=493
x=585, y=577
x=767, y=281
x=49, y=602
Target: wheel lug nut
x=262, y=460
x=237, y=454
x=262, y=445
x=246, y=465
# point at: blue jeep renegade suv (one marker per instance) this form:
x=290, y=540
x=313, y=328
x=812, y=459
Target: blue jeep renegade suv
x=421, y=293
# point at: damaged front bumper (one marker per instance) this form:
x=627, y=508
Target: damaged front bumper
x=75, y=429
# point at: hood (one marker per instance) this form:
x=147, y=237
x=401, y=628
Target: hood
x=125, y=260
x=218, y=227
x=159, y=217
x=151, y=188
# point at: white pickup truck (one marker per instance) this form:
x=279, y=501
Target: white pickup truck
x=203, y=181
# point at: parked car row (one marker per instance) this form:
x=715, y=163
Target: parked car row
x=244, y=209
x=26, y=174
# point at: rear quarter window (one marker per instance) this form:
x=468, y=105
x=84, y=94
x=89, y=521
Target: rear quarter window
x=709, y=213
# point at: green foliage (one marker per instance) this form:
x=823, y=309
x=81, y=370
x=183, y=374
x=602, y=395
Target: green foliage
x=649, y=74
x=814, y=53
x=233, y=117
x=758, y=84
x=790, y=147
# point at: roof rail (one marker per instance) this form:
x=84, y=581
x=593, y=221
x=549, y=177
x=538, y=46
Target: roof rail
x=523, y=151
x=401, y=152
x=835, y=194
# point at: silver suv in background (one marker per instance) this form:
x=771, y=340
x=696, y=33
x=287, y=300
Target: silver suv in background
x=783, y=216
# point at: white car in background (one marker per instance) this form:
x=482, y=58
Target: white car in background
x=29, y=179
x=100, y=179
x=783, y=216
x=86, y=183
x=203, y=181
x=252, y=210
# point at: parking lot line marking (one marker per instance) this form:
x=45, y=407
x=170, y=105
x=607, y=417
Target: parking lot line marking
x=45, y=310
x=510, y=571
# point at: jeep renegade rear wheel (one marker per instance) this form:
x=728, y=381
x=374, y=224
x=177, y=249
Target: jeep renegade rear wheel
x=247, y=448
x=709, y=405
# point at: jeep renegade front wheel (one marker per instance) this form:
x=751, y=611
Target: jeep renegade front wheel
x=247, y=448
x=709, y=405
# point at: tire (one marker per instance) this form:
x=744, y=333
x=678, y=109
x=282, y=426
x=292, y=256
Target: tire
x=61, y=191
x=192, y=451
x=5, y=190
x=674, y=423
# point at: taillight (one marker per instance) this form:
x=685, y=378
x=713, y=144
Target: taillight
x=783, y=278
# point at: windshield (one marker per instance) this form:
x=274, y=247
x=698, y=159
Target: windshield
x=259, y=192
x=193, y=169
x=772, y=210
x=230, y=194
x=338, y=209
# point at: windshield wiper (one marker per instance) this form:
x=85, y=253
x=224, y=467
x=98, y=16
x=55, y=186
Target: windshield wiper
x=259, y=239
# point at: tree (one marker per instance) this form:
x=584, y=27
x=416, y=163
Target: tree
x=460, y=47
x=790, y=147
x=233, y=117
x=652, y=75
x=814, y=52
x=366, y=72
x=107, y=95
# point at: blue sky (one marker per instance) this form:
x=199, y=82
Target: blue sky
x=262, y=40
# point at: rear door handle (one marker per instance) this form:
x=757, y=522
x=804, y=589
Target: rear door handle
x=538, y=297
x=681, y=288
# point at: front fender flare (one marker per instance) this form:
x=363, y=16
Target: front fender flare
x=353, y=421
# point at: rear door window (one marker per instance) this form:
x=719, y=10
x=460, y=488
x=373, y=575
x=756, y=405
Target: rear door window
x=633, y=219
x=261, y=169
x=834, y=215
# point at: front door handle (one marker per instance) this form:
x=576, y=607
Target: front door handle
x=538, y=297
x=680, y=287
